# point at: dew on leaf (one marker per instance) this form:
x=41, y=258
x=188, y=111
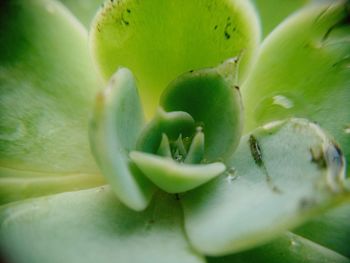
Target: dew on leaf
x=283, y=101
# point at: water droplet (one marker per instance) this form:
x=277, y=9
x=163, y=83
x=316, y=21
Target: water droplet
x=347, y=129
x=279, y=106
x=283, y=101
x=231, y=175
x=294, y=243
x=199, y=129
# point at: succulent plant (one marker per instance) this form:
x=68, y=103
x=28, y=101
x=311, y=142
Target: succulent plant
x=172, y=133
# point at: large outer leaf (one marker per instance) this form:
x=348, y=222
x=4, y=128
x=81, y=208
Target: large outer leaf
x=158, y=40
x=93, y=226
x=289, y=248
x=281, y=175
x=332, y=229
x=303, y=70
x=47, y=85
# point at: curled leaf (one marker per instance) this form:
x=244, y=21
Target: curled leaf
x=117, y=122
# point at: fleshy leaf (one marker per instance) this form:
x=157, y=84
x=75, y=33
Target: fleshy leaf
x=159, y=40
x=289, y=248
x=84, y=10
x=272, y=14
x=117, y=122
x=93, y=226
x=331, y=230
x=281, y=175
x=212, y=99
x=303, y=71
x=172, y=176
x=47, y=86
x=170, y=123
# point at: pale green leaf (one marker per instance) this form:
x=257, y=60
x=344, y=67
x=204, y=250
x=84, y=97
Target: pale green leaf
x=303, y=70
x=159, y=40
x=93, y=226
x=172, y=176
x=114, y=129
x=47, y=86
x=289, y=248
x=282, y=174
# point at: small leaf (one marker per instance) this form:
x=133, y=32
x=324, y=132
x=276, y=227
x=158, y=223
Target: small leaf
x=174, y=177
x=170, y=123
x=331, y=229
x=117, y=122
x=289, y=248
x=196, y=151
x=93, y=226
x=303, y=70
x=282, y=174
x=212, y=99
x=159, y=40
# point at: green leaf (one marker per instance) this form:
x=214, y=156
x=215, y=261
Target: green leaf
x=303, y=70
x=281, y=175
x=212, y=99
x=289, y=248
x=331, y=229
x=172, y=124
x=93, y=226
x=47, y=86
x=272, y=14
x=84, y=10
x=159, y=40
x=172, y=176
x=117, y=122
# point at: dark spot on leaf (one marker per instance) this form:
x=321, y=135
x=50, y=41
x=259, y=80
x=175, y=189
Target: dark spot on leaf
x=128, y=10
x=306, y=203
x=227, y=35
x=236, y=87
x=177, y=197
x=255, y=150
x=317, y=157
x=215, y=27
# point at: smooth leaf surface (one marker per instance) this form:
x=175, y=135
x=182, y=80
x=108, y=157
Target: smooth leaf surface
x=172, y=176
x=84, y=10
x=93, y=226
x=303, y=70
x=114, y=129
x=281, y=175
x=289, y=248
x=273, y=13
x=211, y=97
x=159, y=40
x=331, y=229
x=47, y=85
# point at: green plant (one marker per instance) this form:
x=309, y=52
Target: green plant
x=183, y=184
